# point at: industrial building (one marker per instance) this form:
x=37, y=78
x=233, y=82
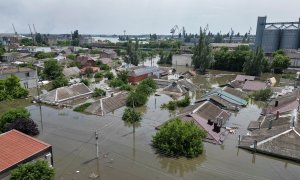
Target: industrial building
x=277, y=35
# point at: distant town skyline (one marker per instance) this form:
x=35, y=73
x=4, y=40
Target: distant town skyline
x=141, y=16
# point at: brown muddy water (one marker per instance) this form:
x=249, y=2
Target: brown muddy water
x=124, y=155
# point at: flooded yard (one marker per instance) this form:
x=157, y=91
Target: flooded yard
x=124, y=155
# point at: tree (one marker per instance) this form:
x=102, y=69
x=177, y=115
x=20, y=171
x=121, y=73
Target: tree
x=254, y=63
x=98, y=75
x=115, y=83
x=104, y=67
x=52, y=69
x=89, y=72
x=109, y=75
x=280, y=61
x=123, y=76
x=202, y=54
x=149, y=82
x=11, y=88
x=60, y=81
x=132, y=53
x=71, y=56
x=132, y=117
x=33, y=170
x=12, y=115
x=2, y=50
x=25, y=125
x=75, y=38
x=179, y=138
x=136, y=99
x=85, y=81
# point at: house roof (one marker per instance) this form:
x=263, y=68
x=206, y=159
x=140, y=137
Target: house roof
x=106, y=60
x=108, y=104
x=244, y=78
x=109, y=51
x=65, y=93
x=17, y=147
x=227, y=96
x=254, y=85
x=235, y=92
x=14, y=70
x=71, y=71
x=143, y=71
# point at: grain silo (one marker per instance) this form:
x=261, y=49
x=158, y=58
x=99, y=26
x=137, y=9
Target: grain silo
x=290, y=37
x=271, y=39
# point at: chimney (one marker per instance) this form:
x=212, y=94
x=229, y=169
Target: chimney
x=276, y=103
x=270, y=124
x=277, y=115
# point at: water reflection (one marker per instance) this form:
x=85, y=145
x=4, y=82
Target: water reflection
x=181, y=166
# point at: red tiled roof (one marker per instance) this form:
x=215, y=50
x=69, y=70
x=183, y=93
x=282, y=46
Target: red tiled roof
x=16, y=147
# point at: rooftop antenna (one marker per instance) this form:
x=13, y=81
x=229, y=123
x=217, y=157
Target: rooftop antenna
x=14, y=29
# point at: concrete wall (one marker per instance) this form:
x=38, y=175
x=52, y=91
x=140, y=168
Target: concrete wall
x=28, y=81
x=182, y=59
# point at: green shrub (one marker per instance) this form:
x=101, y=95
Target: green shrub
x=109, y=75
x=104, y=67
x=126, y=87
x=82, y=107
x=184, y=102
x=85, y=81
x=170, y=105
x=262, y=95
x=98, y=75
x=115, y=83
x=33, y=170
x=98, y=92
x=12, y=115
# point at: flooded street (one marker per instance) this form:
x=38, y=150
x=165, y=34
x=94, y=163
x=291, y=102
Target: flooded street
x=124, y=155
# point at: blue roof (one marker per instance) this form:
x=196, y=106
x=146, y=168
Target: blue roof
x=227, y=96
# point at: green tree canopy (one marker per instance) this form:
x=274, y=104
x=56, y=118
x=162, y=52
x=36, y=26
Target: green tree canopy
x=202, y=54
x=132, y=117
x=33, y=170
x=11, y=88
x=253, y=66
x=280, y=61
x=60, y=81
x=179, y=138
x=52, y=69
x=11, y=115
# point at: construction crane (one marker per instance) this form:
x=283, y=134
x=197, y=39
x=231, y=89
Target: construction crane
x=173, y=30
x=34, y=29
x=33, y=39
x=14, y=29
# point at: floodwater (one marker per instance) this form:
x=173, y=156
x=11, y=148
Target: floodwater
x=124, y=155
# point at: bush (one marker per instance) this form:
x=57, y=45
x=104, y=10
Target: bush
x=178, y=138
x=98, y=92
x=115, y=83
x=104, y=67
x=27, y=126
x=85, y=81
x=262, y=95
x=82, y=107
x=98, y=75
x=126, y=87
x=184, y=102
x=136, y=99
x=71, y=56
x=170, y=105
x=33, y=170
x=60, y=82
x=109, y=75
x=12, y=115
x=11, y=88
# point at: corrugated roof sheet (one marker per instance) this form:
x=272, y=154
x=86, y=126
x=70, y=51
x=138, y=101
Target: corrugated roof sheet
x=254, y=85
x=143, y=71
x=17, y=147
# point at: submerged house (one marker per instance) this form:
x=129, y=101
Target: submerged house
x=209, y=117
x=228, y=94
x=179, y=87
x=108, y=104
x=66, y=94
x=138, y=74
x=254, y=86
x=277, y=135
x=282, y=104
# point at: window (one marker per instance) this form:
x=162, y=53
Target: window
x=27, y=74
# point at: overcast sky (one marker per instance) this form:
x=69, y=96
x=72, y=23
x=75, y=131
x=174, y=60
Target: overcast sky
x=141, y=16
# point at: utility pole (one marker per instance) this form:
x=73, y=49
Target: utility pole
x=97, y=143
x=39, y=100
